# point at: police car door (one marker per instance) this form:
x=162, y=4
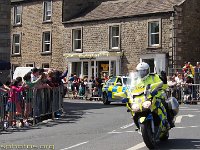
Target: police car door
x=117, y=87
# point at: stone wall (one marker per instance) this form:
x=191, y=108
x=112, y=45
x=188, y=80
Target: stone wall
x=187, y=32
x=31, y=31
x=4, y=35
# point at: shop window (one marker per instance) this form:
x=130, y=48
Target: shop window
x=114, y=37
x=16, y=44
x=85, y=69
x=103, y=67
x=47, y=10
x=113, y=68
x=77, y=40
x=17, y=15
x=154, y=33
x=76, y=68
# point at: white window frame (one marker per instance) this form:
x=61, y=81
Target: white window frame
x=150, y=33
x=16, y=13
x=111, y=37
x=46, y=42
x=47, y=11
x=14, y=44
x=74, y=31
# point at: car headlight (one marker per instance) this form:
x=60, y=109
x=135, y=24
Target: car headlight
x=146, y=104
x=135, y=107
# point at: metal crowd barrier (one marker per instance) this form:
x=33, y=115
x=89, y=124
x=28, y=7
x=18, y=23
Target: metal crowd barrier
x=186, y=93
x=31, y=106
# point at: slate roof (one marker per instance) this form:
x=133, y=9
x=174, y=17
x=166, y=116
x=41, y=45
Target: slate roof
x=126, y=8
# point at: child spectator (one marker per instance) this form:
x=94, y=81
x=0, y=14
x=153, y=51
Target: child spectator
x=14, y=92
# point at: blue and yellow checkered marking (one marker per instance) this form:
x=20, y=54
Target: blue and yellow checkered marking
x=111, y=90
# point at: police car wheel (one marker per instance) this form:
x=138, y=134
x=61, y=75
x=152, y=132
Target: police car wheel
x=105, y=99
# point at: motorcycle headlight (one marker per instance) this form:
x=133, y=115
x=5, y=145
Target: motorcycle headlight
x=146, y=104
x=135, y=107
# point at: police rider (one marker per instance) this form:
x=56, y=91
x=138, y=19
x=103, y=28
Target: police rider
x=143, y=71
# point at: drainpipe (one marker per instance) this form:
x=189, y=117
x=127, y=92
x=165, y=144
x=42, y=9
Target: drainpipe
x=173, y=40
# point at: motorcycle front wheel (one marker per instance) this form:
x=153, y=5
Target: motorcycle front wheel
x=147, y=135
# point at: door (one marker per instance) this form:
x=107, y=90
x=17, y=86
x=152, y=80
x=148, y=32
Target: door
x=151, y=64
x=157, y=62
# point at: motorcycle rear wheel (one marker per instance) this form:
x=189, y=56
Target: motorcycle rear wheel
x=147, y=135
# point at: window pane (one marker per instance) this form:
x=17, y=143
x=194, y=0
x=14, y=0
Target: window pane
x=18, y=19
x=77, y=44
x=47, y=47
x=45, y=65
x=47, y=36
x=48, y=6
x=16, y=38
x=155, y=27
x=115, y=42
x=19, y=9
x=154, y=39
x=16, y=50
x=113, y=68
x=115, y=31
x=47, y=10
x=85, y=68
x=77, y=34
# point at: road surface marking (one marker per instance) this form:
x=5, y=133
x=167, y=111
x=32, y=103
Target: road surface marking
x=183, y=107
x=75, y=145
x=138, y=146
x=188, y=109
x=187, y=127
x=126, y=126
x=115, y=132
x=179, y=118
x=130, y=131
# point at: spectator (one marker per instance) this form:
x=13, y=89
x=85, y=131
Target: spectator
x=14, y=92
x=197, y=73
x=172, y=84
x=29, y=95
x=34, y=74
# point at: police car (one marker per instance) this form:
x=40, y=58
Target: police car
x=113, y=86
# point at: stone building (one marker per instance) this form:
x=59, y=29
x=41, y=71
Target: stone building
x=96, y=37
x=37, y=33
x=4, y=40
x=113, y=36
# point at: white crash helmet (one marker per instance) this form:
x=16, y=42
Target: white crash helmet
x=143, y=69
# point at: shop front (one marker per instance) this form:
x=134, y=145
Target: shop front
x=94, y=64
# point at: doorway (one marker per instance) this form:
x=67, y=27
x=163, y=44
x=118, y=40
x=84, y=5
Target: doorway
x=151, y=64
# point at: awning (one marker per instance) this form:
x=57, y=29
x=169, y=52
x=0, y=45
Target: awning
x=4, y=65
x=92, y=54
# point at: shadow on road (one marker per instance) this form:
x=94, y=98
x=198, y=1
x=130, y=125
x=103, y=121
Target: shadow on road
x=179, y=144
x=76, y=109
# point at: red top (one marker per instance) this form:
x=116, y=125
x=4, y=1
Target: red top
x=14, y=93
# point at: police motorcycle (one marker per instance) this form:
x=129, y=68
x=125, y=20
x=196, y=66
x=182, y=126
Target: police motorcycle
x=148, y=111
